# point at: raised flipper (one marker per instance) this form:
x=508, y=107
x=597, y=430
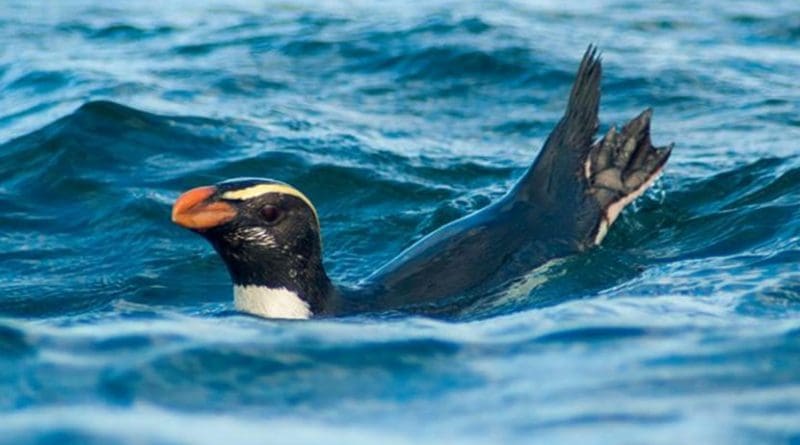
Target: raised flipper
x=550, y=175
x=563, y=204
x=583, y=186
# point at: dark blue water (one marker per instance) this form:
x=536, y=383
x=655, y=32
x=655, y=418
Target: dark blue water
x=117, y=326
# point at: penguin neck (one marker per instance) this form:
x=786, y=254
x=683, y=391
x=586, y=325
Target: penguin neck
x=270, y=302
x=290, y=301
x=301, y=295
x=296, y=287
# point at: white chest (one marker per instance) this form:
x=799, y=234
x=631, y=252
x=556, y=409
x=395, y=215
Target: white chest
x=270, y=303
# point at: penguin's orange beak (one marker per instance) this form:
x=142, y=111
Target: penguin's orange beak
x=191, y=210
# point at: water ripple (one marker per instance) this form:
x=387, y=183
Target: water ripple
x=117, y=326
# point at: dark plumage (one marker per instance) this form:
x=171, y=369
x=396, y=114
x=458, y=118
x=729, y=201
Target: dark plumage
x=562, y=205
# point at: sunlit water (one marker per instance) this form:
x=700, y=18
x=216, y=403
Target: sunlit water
x=117, y=326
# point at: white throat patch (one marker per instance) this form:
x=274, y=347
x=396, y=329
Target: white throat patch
x=270, y=303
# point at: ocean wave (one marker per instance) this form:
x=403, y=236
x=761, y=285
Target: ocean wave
x=116, y=325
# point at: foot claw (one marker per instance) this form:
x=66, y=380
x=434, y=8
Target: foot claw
x=622, y=165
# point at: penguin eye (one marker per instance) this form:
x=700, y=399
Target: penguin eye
x=270, y=214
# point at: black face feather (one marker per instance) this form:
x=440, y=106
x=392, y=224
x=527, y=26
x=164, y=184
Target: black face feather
x=273, y=241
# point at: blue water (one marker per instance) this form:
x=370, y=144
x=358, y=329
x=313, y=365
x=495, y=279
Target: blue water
x=117, y=326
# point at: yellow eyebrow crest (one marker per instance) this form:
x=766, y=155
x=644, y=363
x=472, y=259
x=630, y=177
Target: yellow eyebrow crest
x=261, y=189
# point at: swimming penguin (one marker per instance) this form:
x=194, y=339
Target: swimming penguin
x=268, y=233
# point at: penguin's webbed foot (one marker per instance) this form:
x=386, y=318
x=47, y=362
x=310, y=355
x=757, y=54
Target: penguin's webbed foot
x=621, y=166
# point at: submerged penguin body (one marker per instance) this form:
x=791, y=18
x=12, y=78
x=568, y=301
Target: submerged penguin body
x=564, y=204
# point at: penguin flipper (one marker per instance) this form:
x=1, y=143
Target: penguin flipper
x=570, y=140
x=584, y=185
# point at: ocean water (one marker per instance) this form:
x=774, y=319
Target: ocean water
x=117, y=326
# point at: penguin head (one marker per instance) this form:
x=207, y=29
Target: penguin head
x=268, y=235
